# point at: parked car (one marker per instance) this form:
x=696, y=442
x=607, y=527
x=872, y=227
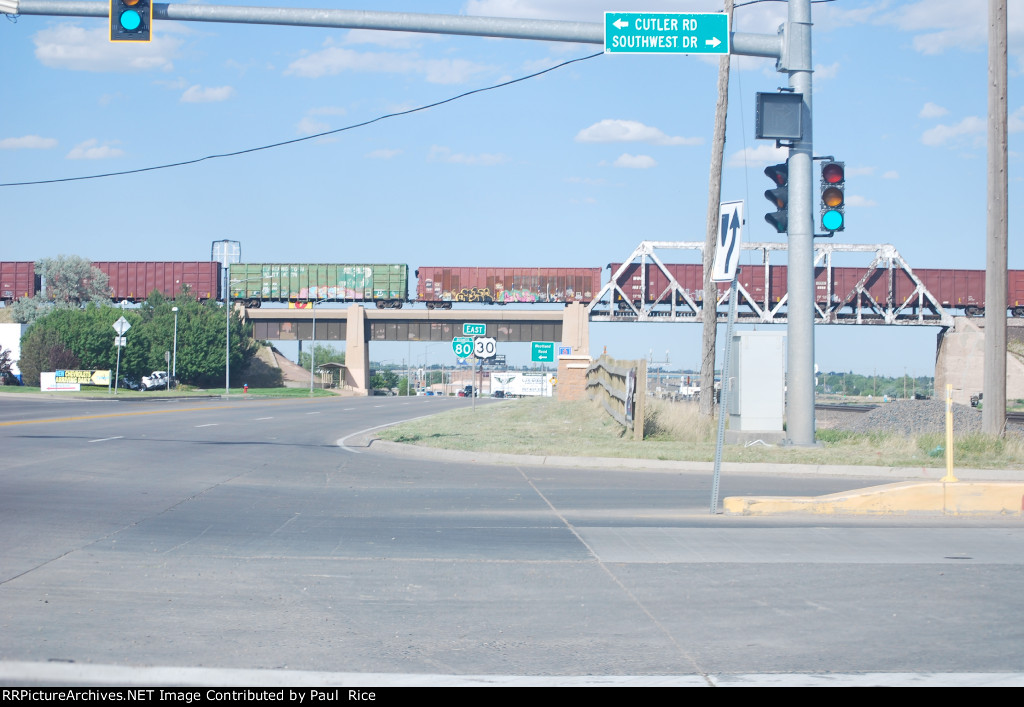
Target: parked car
x=154, y=381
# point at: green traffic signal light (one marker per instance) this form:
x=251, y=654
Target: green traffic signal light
x=779, y=196
x=131, y=20
x=833, y=197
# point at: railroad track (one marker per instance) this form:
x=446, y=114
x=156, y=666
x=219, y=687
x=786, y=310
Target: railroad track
x=1014, y=417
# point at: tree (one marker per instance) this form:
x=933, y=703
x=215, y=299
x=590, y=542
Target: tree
x=324, y=354
x=72, y=280
x=384, y=379
x=42, y=349
x=69, y=281
x=6, y=377
x=87, y=337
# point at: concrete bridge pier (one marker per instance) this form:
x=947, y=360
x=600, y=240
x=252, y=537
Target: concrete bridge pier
x=572, y=368
x=357, y=351
x=960, y=360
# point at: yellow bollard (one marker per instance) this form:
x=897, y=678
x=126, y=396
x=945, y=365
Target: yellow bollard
x=949, y=477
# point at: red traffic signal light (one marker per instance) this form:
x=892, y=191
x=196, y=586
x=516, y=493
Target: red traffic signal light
x=131, y=20
x=833, y=197
x=779, y=196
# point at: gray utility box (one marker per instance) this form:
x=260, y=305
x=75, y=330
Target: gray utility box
x=757, y=385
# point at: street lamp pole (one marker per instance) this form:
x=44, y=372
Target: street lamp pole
x=312, y=348
x=227, y=334
x=174, y=363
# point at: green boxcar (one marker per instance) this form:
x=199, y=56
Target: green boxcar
x=385, y=285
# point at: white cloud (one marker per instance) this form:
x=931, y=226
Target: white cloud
x=92, y=150
x=383, y=154
x=334, y=60
x=891, y=174
x=941, y=134
x=860, y=171
x=28, y=142
x=68, y=46
x=826, y=72
x=327, y=110
x=630, y=131
x=309, y=126
x=931, y=110
x=629, y=161
x=1015, y=122
x=855, y=200
x=395, y=40
x=941, y=24
x=757, y=156
x=444, y=154
x=199, y=94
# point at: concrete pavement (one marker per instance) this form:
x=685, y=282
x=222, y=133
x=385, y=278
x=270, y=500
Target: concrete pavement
x=915, y=491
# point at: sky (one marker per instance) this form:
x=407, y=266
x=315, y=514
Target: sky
x=572, y=168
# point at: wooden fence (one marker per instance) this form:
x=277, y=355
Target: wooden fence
x=621, y=388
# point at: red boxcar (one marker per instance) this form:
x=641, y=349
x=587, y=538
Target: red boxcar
x=133, y=281
x=440, y=286
x=18, y=280
x=689, y=276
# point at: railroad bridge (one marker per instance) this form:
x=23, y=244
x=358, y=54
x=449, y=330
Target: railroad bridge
x=885, y=291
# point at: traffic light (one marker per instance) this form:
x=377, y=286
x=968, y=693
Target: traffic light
x=779, y=196
x=131, y=20
x=833, y=184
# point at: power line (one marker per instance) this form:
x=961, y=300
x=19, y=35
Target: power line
x=307, y=137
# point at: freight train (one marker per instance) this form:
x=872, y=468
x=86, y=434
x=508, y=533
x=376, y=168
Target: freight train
x=953, y=289
x=387, y=285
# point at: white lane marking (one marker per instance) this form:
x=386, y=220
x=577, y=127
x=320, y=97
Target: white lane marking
x=210, y=424
x=313, y=413
x=264, y=418
x=105, y=439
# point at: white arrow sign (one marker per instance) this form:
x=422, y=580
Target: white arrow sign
x=727, y=247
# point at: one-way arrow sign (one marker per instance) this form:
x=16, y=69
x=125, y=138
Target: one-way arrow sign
x=727, y=247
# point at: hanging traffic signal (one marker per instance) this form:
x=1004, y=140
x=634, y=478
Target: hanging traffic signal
x=833, y=199
x=130, y=20
x=779, y=196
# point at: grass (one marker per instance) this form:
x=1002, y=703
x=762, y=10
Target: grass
x=675, y=431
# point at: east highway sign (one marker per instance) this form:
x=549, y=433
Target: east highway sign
x=666, y=33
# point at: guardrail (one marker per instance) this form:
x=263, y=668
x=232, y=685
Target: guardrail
x=621, y=388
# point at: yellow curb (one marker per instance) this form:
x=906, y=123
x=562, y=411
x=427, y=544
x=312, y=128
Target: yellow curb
x=905, y=498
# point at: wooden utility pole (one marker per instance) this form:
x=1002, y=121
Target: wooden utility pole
x=993, y=418
x=709, y=312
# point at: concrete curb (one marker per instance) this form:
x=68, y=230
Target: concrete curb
x=906, y=498
x=371, y=441
x=978, y=492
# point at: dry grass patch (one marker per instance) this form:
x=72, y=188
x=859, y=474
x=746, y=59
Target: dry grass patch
x=675, y=431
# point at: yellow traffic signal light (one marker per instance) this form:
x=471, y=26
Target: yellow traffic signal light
x=131, y=20
x=833, y=198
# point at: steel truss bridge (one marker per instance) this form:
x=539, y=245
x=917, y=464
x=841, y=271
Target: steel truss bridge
x=885, y=291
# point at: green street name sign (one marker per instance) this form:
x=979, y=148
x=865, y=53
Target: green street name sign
x=666, y=33
x=472, y=329
x=542, y=351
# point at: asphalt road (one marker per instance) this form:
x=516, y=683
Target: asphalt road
x=238, y=535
